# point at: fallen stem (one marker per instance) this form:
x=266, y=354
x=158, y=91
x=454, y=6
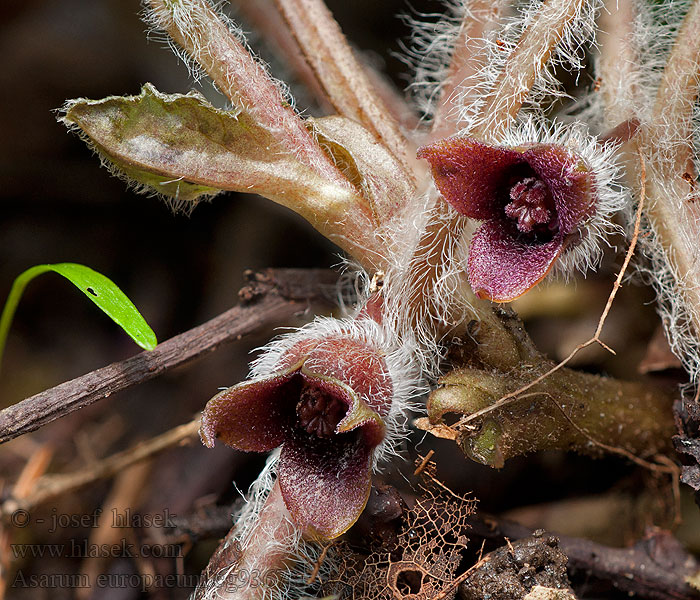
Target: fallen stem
x=51, y=486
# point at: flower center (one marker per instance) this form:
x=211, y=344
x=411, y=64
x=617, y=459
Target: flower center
x=319, y=413
x=531, y=206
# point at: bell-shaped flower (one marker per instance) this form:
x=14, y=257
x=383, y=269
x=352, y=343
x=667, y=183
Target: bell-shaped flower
x=325, y=398
x=539, y=199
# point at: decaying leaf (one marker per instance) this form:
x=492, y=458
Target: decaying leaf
x=421, y=562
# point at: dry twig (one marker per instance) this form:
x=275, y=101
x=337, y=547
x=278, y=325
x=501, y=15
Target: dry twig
x=278, y=294
x=50, y=486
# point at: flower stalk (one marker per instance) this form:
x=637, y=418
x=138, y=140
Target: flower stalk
x=673, y=213
x=524, y=65
x=468, y=58
x=251, y=564
x=341, y=75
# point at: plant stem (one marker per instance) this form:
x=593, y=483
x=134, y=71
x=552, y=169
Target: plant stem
x=197, y=29
x=534, y=48
x=252, y=568
x=618, y=60
x=666, y=141
x=264, y=18
x=467, y=60
x=16, y=291
x=568, y=410
x=341, y=75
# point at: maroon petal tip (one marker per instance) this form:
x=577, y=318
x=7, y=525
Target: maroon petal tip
x=325, y=482
x=253, y=415
x=470, y=174
x=501, y=268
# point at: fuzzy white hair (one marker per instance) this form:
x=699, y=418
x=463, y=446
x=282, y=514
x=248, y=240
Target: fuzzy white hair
x=499, y=45
x=653, y=34
x=601, y=162
x=406, y=380
x=246, y=523
x=428, y=52
x=434, y=42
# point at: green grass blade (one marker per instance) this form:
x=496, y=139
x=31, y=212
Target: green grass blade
x=100, y=289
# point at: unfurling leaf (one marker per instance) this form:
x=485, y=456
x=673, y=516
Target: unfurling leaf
x=369, y=165
x=181, y=147
x=101, y=290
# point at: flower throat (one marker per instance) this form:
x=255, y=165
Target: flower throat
x=318, y=412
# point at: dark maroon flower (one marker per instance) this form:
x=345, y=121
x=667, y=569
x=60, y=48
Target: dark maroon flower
x=534, y=199
x=325, y=404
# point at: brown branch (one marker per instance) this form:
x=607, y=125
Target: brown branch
x=271, y=297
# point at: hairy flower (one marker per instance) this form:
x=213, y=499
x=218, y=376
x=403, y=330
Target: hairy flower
x=326, y=400
x=538, y=201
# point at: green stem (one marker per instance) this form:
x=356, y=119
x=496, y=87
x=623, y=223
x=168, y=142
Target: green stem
x=8, y=312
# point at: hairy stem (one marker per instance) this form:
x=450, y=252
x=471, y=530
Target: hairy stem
x=199, y=31
x=264, y=17
x=253, y=568
x=618, y=60
x=666, y=141
x=341, y=75
x=534, y=49
x=468, y=58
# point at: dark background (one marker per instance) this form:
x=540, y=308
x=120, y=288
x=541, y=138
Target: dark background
x=58, y=204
